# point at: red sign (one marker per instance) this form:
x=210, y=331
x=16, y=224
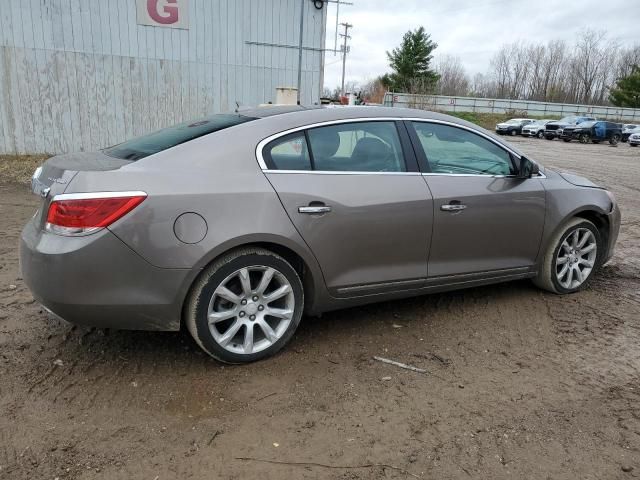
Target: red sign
x=163, y=13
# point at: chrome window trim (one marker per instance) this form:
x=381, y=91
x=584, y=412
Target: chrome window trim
x=275, y=136
x=339, y=172
x=89, y=195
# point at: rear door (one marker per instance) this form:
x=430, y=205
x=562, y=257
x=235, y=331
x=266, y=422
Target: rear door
x=354, y=192
x=486, y=221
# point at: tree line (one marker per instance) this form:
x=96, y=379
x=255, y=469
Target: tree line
x=593, y=70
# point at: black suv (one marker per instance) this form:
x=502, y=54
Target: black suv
x=554, y=129
x=595, y=132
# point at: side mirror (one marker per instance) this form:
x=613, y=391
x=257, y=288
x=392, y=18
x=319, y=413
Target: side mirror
x=527, y=168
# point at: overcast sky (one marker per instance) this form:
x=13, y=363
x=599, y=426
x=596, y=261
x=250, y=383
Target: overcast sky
x=470, y=29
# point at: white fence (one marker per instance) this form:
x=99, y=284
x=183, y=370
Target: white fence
x=496, y=105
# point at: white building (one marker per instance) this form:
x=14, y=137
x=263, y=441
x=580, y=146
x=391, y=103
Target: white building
x=86, y=74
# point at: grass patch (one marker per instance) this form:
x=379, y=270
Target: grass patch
x=19, y=168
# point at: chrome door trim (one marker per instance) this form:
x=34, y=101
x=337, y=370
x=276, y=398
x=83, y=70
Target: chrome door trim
x=275, y=136
x=331, y=172
x=540, y=175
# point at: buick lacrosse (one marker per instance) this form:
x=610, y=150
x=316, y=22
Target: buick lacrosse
x=238, y=224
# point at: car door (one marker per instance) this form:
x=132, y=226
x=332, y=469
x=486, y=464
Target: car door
x=355, y=195
x=486, y=220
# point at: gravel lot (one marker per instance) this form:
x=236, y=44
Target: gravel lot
x=521, y=383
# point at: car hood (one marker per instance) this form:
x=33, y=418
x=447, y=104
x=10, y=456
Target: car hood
x=577, y=180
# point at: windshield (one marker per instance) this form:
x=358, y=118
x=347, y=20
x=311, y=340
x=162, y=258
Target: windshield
x=155, y=142
x=586, y=124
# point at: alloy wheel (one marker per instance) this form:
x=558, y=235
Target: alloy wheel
x=576, y=258
x=251, y=309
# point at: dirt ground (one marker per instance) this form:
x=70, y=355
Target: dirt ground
x=522, y=384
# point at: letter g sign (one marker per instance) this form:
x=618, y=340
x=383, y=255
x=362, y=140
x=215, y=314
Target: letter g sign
x=170, y=12
x=163, y=13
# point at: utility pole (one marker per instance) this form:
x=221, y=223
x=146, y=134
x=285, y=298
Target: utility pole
x=346, y=36
x=300, y=48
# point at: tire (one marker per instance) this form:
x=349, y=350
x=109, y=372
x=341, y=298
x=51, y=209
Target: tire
x=584, y=138
x=547, y=277
x=513, y=133
x=614, y=139
x=540, y=134
x=249, y=308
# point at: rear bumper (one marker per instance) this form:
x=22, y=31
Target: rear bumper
x=97, y=280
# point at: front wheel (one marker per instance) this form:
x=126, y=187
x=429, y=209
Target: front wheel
x=571, y=258
x=614, y=139
x=513, y=133
x=584, y=138
x=245, y=306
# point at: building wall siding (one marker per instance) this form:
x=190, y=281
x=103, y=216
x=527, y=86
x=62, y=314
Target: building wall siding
x=82, y=74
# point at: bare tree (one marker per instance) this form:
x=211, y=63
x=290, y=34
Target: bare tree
x=453, y=77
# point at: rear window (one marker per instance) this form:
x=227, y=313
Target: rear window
x=155, y=142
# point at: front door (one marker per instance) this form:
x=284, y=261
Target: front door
x=348, y=191
x=485, y=219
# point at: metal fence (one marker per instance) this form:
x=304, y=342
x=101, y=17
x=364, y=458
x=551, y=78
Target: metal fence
x=517, y=107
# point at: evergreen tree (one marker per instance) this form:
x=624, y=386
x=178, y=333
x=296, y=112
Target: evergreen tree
x=410, y=63
x=626, y=93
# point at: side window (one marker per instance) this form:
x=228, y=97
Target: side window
x=357, y=147
x=288, y=153
x=457, y=151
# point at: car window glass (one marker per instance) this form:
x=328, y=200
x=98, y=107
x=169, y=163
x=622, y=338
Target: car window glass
x=357, y=147
x=457, y=151
x=169, y=137
x=288, y=153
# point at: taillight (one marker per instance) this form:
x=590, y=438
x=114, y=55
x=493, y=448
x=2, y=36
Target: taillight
x=85, y=213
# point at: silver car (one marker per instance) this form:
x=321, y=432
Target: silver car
x=238, y=224
x=535, y=128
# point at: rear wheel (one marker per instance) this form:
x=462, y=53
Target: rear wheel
x=540, y=134
x=571, y=258
x=245, y=306
x=513, y=133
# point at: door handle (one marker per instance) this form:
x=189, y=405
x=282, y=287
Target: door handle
x=311, y=209
x=453, y=207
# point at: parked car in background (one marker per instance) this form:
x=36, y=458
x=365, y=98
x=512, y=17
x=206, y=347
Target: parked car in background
x=535, y=128
x=554, y=129
x=235, y=225
x=512, y=127
x=634, y=139
x=595, y=132
x=628, y=129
